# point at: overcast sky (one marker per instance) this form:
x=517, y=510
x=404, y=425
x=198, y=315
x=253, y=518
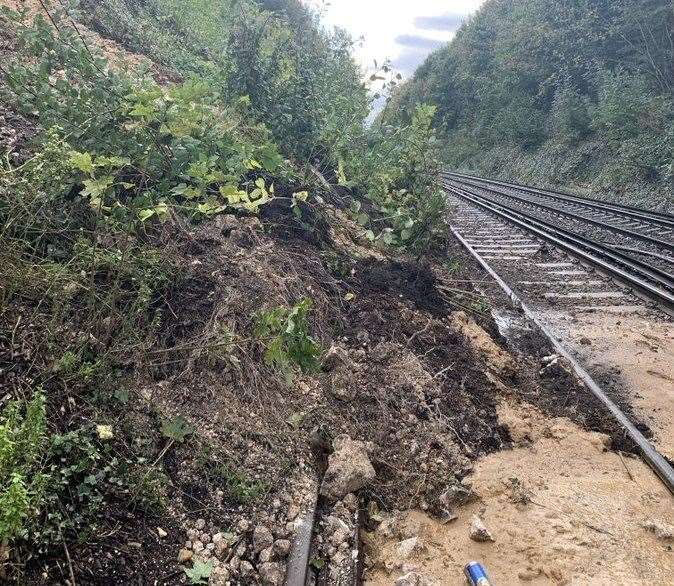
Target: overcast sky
x=404, y=31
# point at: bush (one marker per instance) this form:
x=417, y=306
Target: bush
x=398, y=170
x=22, y=481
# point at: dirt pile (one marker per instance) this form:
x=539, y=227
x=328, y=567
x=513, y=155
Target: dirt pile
x=561, y=509
x=407, y=370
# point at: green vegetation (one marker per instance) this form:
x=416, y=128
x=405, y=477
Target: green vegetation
x=22, y=437
x=242, y=105
x=557, y=91
x=48, y=484
x=284, y=332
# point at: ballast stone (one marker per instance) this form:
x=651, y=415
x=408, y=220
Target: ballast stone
x=349, y=469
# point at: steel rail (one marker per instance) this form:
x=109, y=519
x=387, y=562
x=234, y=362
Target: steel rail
x=652, y=457
x=578, y=246
x=661, y=218
x=603, y=225
x=653, y=273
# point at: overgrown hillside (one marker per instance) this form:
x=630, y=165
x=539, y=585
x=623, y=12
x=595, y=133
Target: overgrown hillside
x=558, y=91
x=193, y=218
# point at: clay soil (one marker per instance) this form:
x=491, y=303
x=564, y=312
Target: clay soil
x=561, y=508
x=632, y=350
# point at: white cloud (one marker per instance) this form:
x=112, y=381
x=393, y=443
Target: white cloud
x=390, y=28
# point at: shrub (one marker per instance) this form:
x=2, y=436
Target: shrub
x=399, y=173
x=284, y=333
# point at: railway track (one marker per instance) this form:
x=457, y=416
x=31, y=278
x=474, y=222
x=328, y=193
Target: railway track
x=633, y=247
x=554, y=253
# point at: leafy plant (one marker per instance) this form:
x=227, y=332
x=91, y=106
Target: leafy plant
x=284, y=332
x=176, y=429
x=199, y=572
x=22, y=439
x=400, y=175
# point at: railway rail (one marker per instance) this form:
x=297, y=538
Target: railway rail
x=540, y=240
x=630, y=246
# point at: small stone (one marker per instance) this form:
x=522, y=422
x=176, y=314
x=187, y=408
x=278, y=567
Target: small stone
x=266, y=554
x=662, y=530
x=407, y=547
x=161, y=532
x=206, y=538
x=262, y=538
x=293, y=511
x=338, y=530
x=192, y=534
x=350, y=501
x=197, y=546
x=334, y=357
x=241, y=549
x=282, y=547
x=411, y=579
x=246, y=568
x=349, y=469
x=478, y=531
x=243, y=525
x=200, y=524
x=219, y=576
x=184, y=555
x=221, y=549
x=271, y=574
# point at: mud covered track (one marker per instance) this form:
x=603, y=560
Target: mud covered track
x=494, y=229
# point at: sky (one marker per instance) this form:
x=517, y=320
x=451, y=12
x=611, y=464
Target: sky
x=404, y=31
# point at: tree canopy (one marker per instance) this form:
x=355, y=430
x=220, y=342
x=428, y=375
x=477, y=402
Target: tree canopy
x=543, y=79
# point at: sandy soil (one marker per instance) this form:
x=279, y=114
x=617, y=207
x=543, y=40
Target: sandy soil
x=639, y=350
x=561, y=508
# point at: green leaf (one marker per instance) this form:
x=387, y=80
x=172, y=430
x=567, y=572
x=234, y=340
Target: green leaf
x=199, y=572
x=123, y=396
x=363, y=219
x=95, y=188
x=176, y=429
x=270, y=157
x=81, y=161
x=370, y=235
x=142, y=111
x=145, y=215
x=233, y=194
x=389, y=238
x=211, y=208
